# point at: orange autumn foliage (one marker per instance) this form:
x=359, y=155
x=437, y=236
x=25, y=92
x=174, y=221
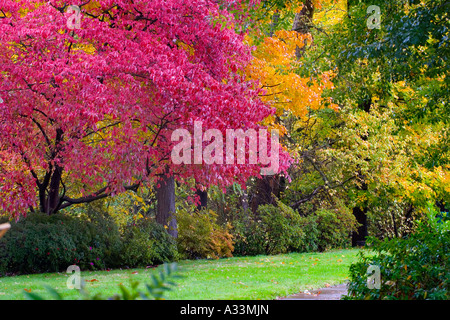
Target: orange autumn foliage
x=275, y=66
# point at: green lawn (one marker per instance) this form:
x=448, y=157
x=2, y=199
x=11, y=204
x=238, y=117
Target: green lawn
x=260, y=277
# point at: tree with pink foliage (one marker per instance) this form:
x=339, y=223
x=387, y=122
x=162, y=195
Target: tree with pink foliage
x=90, y=99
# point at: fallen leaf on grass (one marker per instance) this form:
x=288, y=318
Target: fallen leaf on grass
x=27, y=290
x=93, y=280
x=275, y=282
x=135, y=272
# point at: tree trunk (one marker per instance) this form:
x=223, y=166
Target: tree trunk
x=244, y=201
x=273, y=25
x=303, y=19
x=50, y=201
x=269, y=186
x=359, y=237
x=302, y=22
x=53, y=194
x=165, y=213
x=265, y=191
x=203, y=199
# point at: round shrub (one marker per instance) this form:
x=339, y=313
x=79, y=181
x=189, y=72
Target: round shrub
x=283, y=228
x=248, y=236
x=147, y=242
x=274, y=230
x=42, y=243
x=334, y=228
x=38, y=243
x=199, y=235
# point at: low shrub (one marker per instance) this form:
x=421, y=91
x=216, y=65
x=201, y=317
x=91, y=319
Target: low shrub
x=311, y=234
x=282, y=228
x=101, y=246
x=147, y=242
x=274, y=230
x=199, y=235
x=414, y=268
x=88, y=238
x=249, y=236
x=38, y=243
x=42, y=243
x=334, y=228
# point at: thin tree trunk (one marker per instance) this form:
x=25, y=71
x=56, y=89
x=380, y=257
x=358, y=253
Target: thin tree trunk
x=266, y=189
x=203, y=195
x=52, y=202
x=302, y=22
x=359, y=237
x=165, y=212
x=53, y=194
x=394, y=224
x=273, y=25
x=244, y=201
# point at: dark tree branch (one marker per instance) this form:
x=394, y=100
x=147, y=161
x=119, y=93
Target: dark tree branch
x=100, y=194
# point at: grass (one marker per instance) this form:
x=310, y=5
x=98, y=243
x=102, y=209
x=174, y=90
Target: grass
x=259, y=277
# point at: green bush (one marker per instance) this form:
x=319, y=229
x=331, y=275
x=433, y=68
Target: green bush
x=147, y=242
x=280, y=229
x=42, y=243
x=334, y=228
x=199, y=235
x=37, y=243
x=283, y=228
x=102, y=246
x=412, y=268
x=311, y=234
x=274, y=230
x=90, y=239
x=249, y=236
